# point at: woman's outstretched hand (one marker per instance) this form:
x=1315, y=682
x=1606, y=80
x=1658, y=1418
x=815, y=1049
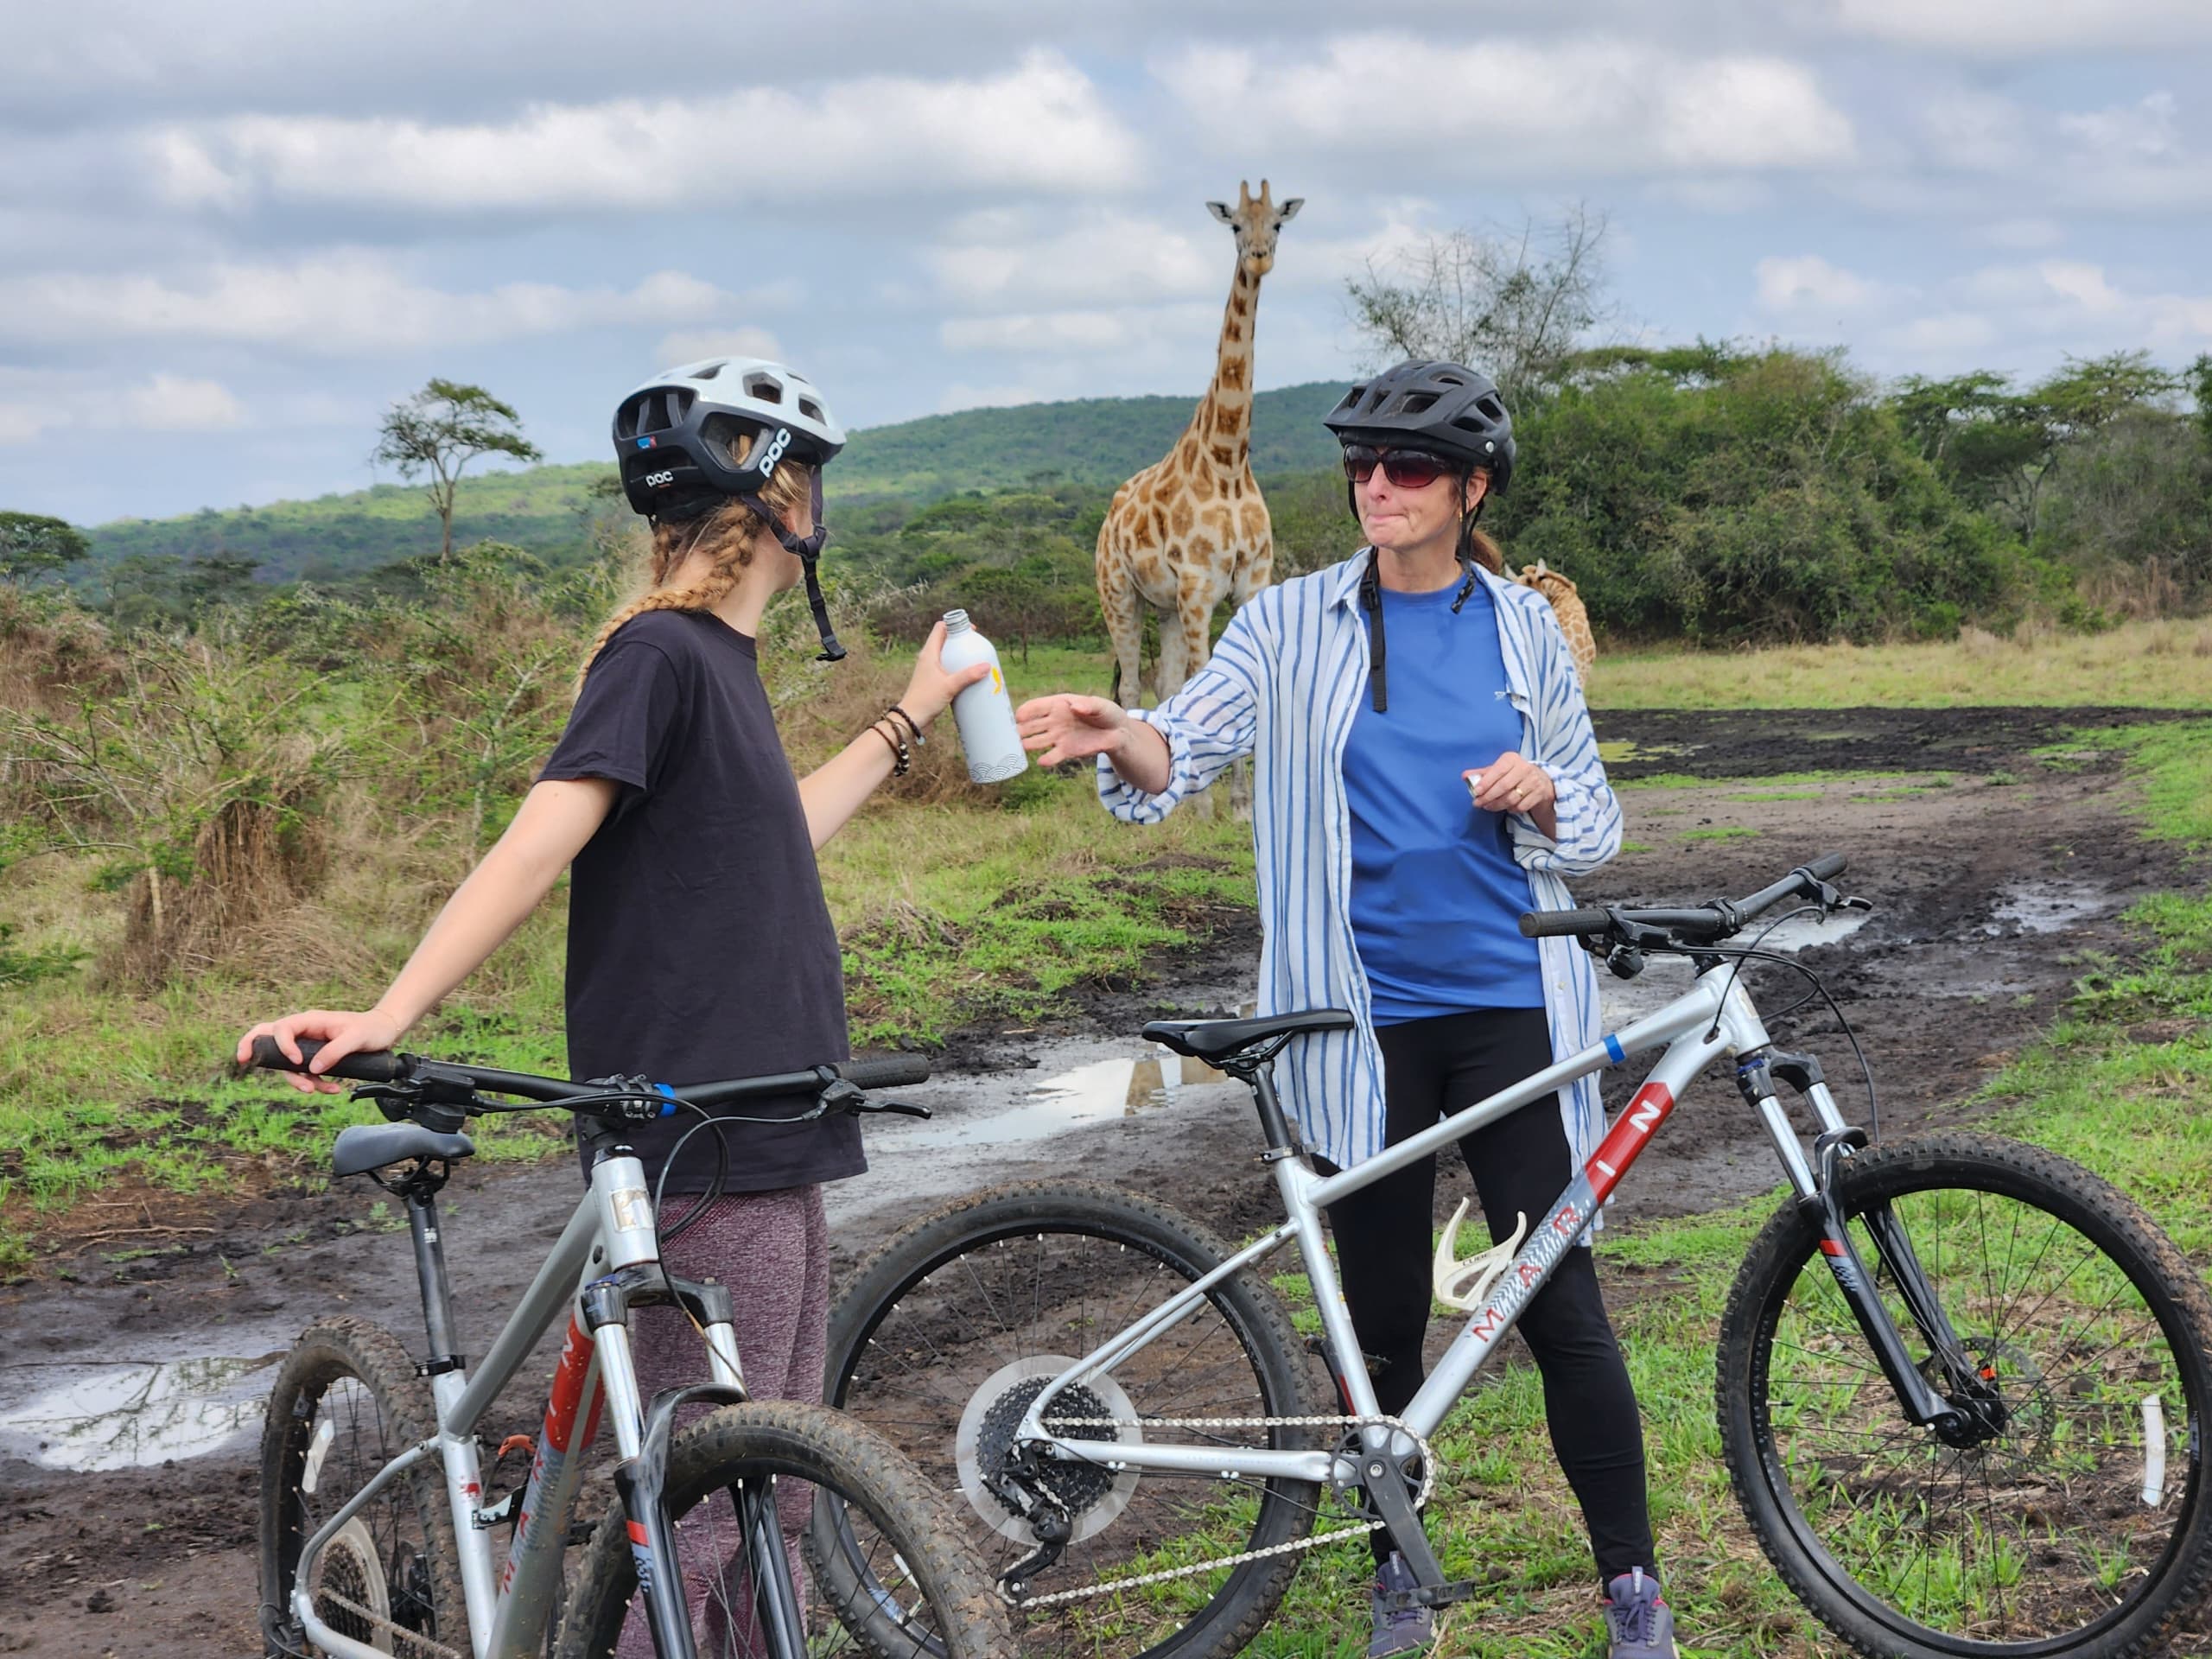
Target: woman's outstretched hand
x=340, y=1034
x=930, y=691
x=1068, y=728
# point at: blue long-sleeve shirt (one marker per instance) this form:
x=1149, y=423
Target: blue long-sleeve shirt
x=1284, y=685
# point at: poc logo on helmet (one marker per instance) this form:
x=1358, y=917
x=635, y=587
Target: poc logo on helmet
x=777, y=445
x=655, y=480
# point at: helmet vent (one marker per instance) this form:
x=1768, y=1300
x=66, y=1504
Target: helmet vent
x=812, y=409
x=1417, y=401
x=766, y=388
x=1491, y=409
x=708, y=371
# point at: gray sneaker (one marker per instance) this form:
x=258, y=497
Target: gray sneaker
x=1638, y=1621
x=1398, y=1629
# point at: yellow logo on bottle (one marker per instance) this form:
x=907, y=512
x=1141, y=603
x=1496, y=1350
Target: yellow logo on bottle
x=997, y=684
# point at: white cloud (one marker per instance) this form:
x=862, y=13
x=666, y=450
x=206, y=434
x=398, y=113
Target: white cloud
x=345, y=303
x=2025, y=234
x=2146, y=131
x=695, y=345
x=1083, y=332
x=1599, y=106
x=993, y=257
x=2020, y=28
x=1975, y=132
x=33, y=403
x=1802, y=283
x=1040, y=124
x=2038, y=311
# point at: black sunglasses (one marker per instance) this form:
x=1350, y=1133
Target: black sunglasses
x=1409, y=470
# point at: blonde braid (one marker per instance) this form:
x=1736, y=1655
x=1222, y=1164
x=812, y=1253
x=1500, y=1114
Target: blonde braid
x=729, y=534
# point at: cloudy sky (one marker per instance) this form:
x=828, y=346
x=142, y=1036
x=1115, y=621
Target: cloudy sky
x=232, y=230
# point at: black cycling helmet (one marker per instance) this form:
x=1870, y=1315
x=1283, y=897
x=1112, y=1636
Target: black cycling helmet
x=1446, y=408
x=675, y=436
x=1450, y=411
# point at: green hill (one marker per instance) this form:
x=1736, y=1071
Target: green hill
x=1095, y=441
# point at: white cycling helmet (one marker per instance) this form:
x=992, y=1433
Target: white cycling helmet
x=674, y=437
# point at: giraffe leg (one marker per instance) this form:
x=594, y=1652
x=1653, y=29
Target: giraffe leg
x=1186, y=635
x=1124, y=617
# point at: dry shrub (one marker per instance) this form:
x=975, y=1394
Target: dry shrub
x=254, y=858
x=50, y=651
x=2147, y=589
x=2035, y=633
x=1979, y=642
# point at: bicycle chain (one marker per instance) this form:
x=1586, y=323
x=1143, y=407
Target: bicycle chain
x=1311, y=1540
x=413, y=1640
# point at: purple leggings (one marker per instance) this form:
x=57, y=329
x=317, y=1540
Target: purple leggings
x=772, y=1249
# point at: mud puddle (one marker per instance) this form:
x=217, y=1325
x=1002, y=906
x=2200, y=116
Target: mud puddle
x=92, y=1418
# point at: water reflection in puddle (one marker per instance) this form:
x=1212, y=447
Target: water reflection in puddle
x=98, y=1417
x=2048, y=907
x=1087, y=1094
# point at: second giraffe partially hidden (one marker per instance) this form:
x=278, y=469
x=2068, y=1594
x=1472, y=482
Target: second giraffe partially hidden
x=1567, y=606
x=1190, y=530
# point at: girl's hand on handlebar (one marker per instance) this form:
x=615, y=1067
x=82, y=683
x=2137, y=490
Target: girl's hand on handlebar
x=340, y=1034
x=1070, y=727
x=1512, y=783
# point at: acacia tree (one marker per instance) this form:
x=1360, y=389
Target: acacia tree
x=440, y=430
x=1515, y=305
x=32, y=545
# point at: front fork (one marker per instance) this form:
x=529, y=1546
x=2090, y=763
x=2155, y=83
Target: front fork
x=642, y=1435
x=1953, y=1423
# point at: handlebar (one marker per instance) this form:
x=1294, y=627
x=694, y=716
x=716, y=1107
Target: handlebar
x=386, y=1068
x=1703, y=923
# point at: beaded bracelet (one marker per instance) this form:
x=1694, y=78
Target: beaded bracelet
x=909, y=718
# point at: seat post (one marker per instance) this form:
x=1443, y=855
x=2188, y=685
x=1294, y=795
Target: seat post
x=1282, y=1139
x=422, y=1198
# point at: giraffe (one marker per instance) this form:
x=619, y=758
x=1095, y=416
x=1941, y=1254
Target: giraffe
x=1191, y=529
x=1567, y=606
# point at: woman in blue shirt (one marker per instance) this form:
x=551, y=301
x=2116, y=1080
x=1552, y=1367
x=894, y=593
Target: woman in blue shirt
x=1425, y=771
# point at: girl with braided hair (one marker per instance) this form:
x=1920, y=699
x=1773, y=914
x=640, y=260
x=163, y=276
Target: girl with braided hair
x=699, y=944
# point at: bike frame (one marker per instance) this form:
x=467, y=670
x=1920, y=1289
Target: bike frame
x=1715, y=1018
x=606, y=1256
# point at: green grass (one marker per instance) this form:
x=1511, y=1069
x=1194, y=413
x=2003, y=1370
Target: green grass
x=1726, y=832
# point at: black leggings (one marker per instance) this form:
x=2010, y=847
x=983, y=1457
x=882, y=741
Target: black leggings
x=1521, y=1163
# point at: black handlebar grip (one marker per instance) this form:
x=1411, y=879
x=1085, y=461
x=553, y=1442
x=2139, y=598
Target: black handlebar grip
x=1553, y=923
x=1826, y=865
x=885, y=1074
x=379, y=1065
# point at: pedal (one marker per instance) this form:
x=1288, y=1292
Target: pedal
x=1434, y=1595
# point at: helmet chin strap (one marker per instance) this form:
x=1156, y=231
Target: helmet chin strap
x=808, y=549
x=1465, y=550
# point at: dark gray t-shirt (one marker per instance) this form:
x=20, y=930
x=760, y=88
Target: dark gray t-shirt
x=700, y=945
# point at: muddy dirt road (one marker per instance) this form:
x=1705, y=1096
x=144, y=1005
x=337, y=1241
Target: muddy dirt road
x=129, y=1392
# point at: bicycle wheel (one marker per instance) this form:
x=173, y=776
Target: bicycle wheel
x=347, y=1402
x=883, y=1571
x=2078, y=1524
x=954, y=1326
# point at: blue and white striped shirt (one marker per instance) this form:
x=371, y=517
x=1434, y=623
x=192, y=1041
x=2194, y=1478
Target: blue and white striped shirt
x=1284, y=685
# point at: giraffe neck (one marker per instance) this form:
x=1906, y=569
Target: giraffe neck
x=1225, y=416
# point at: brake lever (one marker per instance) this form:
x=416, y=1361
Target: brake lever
x=902, y=1107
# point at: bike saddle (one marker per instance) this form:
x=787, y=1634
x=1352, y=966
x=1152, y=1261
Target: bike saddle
x=1215, y=1040
x=367, y=1146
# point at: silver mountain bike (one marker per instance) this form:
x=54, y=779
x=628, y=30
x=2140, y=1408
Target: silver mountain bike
x=1961, y=1385
x=379, y=1534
